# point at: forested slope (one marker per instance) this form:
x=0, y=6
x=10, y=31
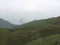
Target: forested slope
x=41, y=32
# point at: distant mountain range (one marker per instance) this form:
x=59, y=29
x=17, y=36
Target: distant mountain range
x=6, y=24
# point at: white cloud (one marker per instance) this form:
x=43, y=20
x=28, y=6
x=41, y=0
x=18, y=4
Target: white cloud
x=30, y=9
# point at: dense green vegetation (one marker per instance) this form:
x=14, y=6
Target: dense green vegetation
x=50, y=40
x=39, y=32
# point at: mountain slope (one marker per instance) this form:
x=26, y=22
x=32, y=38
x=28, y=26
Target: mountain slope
x=5, y=24
x=39, y=32
x=37, y=24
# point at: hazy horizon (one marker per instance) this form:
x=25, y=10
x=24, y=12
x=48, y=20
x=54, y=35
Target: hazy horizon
x=17, y=11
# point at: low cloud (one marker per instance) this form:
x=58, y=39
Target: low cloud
x=14, y=10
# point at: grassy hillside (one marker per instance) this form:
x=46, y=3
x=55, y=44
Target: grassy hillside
x=21, y=37
x=49, y=40
x=37, y=24
x=3, y=37
x=40, y=32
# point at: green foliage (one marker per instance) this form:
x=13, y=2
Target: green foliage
x=49, y=40
x=3, y=37
x=49, y=30
x=21, y=37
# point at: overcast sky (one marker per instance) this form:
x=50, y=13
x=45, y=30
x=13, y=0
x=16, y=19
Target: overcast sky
x=27, y=10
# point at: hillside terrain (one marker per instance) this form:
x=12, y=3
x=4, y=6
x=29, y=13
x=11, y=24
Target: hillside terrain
x=37, y=24
x=38, y=32
x=49, y=40
x=6, y=24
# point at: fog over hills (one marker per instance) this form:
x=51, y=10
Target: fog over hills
x=15, y=10
x=5, y=24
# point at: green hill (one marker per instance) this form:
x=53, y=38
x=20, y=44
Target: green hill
x=39, y=32
x=37, y=24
